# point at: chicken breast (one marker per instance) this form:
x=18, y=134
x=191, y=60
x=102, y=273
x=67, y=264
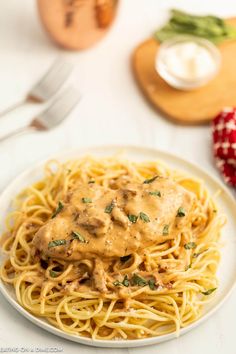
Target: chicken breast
x=94, y=221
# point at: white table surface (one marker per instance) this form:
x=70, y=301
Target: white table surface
x=112, y=110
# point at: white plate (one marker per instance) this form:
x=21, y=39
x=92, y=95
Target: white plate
x=227, y=268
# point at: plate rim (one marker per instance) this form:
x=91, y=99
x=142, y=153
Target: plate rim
x=123, y=343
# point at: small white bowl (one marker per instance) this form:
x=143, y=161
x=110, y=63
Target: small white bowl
x=178, y=81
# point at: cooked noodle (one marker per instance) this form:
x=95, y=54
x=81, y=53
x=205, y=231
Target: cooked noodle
x=47, y=289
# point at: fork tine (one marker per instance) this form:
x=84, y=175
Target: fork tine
x=60, y=108
x=51, y=81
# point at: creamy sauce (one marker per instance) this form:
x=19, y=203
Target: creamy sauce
x=115, y=222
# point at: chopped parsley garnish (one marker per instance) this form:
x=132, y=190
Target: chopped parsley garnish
x=165, y=230
x=125, y=282
x=109, y=207
x=53, y=274
x=58, y=209
x=188, y=266
x=132, y=218
x=86, y=200
x=156, y=193
x=144, y=217
x=151, y=283
x=117, y=283
x=56, y=243
x=150, y=180
x=190, y=245
x=77, y=236
x=180, y=212
x=137, y=280
x=125, y=258
x=214, y=211
x=209, y=291
x=91, y=181
x=195, y=255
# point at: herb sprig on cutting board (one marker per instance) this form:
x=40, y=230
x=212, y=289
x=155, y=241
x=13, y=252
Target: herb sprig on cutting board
x=210, y=27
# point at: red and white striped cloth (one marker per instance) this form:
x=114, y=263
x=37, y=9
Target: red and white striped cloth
x=224, y=144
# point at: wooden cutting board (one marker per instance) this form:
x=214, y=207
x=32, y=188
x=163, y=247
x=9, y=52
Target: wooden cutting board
x=187, y=107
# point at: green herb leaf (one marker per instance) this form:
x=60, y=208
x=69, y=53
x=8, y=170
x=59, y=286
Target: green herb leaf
x=165, y=230
x=77, y=236
x=137, y=280
x=144, y=217
x=195, y=255
x=110, y=207
x=190, y=245
x=209, y=291
x=214, y=211
x=156, y=193
x=151, y=283
x=125, y=282
x=86, y=200
x=132, y=218
x=117, y=283
x=150, y=180
x=188, y=266
x=58, y=209
x=53, y=274
x=180, y=212
x=125, y=258
x=91, y=181
x=56, y=243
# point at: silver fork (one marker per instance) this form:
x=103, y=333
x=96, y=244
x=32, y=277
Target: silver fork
x=52, y=116
x=46, y=87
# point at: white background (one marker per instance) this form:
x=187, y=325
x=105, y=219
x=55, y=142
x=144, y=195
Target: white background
x=112, y=110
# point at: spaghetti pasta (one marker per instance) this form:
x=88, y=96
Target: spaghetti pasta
x=151, y=292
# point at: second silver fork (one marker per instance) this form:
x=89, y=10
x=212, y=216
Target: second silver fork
x=52, y=116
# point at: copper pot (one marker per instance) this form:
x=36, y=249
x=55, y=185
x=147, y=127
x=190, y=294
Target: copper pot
x=77, y=24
